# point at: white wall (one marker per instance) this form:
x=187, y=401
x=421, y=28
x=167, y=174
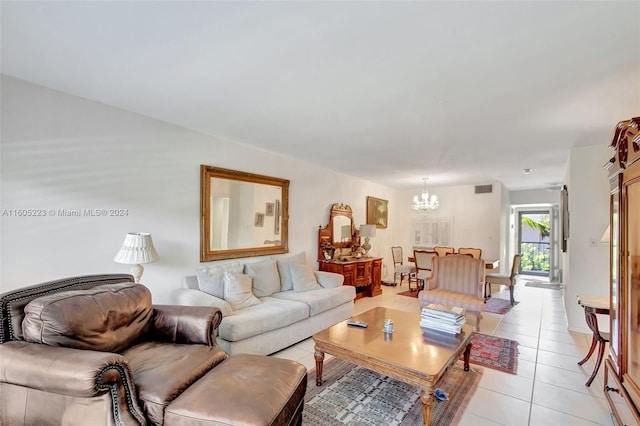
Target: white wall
x=586, y=266
x=535, y=196
x=63, y=152
x=476, y=218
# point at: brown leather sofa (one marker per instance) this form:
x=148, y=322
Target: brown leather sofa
x=93, y=350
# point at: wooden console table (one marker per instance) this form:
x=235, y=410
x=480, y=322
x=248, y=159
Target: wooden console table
x=365, y=274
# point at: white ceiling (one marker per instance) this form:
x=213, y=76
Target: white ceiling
x=389, y=91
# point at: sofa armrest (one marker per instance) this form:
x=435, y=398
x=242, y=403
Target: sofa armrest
x=186, y=324
x=191, y=297
x=73, y=372
x=329, y=279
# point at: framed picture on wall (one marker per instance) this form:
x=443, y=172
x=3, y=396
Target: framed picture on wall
x=377, y=212
x=270, y=208
x=259, y=220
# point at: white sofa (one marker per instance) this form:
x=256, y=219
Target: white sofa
x=281, y=318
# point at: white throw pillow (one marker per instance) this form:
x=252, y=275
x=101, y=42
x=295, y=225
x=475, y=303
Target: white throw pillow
x=266, y=279
x=211, y=279
x=303, y=278
x=237, y=291
x=286, y=283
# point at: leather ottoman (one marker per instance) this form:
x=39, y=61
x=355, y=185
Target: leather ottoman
x=243, y=390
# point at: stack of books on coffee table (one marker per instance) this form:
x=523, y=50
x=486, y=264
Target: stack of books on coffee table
x=442, y=318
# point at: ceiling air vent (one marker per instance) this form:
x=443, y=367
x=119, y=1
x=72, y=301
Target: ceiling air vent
x=484, y=189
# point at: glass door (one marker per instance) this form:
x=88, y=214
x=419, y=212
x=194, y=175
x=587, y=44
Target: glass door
x=534, y=231
x=632, y=272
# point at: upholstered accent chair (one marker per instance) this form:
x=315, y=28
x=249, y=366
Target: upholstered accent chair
x=456, y=280
x=443, y=251
x=424, y=266
x=476, y=253
x=94, y=350
x=508, y=280
x=399, y=268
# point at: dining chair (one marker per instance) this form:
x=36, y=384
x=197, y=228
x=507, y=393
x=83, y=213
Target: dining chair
x=443, y=251
x=399, y=268
x=424, y=265
x=456, y=280
x=476, y=253
x=508, y=280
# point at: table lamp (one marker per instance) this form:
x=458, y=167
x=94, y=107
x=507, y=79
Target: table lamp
x=136, y=250
x=367, y=231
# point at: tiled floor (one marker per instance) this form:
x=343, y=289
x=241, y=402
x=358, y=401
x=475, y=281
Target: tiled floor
x=549, y=387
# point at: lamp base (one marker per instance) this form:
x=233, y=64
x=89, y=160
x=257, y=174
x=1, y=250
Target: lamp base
x=136, y=271
x=366, y=246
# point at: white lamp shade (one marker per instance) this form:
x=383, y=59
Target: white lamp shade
x=606, y=237
x=367, y=230
x=137, y=249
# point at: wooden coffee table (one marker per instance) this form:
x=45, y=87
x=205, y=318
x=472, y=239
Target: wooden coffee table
x=408, y=354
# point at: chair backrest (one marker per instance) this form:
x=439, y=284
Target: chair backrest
x=443, y=251
x=458, y=273
x=515, y=267
x=12, y=303
x=424, y=259
x=476, y=253
x=396, y=253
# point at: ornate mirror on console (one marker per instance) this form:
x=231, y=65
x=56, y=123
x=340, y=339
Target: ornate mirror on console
x=338, y=234
x=242, y=214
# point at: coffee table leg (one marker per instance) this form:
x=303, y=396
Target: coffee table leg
x=467, y=354
x=426, y=396
x=319, y=356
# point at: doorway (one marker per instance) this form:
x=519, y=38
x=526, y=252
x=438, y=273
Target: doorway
x=534, y=241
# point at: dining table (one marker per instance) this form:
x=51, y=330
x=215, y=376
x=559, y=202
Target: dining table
x=488, y=264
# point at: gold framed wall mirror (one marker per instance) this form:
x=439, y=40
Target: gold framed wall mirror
x=242, y=214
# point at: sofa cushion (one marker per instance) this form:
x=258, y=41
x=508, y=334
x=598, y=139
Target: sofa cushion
x=211, y=279
x=162, y=371
x=303, y=278
x=320, y=300
x=266, y=279
x=286, y=282
x=269, y=315
x=106, y=318
x=237, y=291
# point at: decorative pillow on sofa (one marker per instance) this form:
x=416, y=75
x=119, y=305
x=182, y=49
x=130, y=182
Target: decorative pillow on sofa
x=266, y=279
x=286, y=282
x=237, y=291
x=107, y=318
x=211, y=279
x=303, y=278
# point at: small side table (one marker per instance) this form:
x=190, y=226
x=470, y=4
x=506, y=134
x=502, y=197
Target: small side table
x=594, y=305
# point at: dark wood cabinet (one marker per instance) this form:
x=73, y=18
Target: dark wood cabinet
x=364, y=273
x=622, y=369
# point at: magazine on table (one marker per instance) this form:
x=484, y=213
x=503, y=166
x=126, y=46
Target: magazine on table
x=445, y=311
x=443, y=318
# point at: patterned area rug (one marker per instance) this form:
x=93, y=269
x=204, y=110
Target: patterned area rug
x=356, y=396
x=409, y=293
x=494, y=352
x=498, y=306
x=542, y=284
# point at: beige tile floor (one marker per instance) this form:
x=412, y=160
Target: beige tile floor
x=549, y=386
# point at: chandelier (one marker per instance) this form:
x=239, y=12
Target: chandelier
x=425, y=202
